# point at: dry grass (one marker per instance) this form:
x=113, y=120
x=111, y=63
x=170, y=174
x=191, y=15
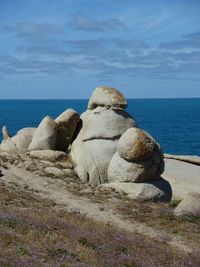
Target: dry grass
x=160, y=216
x=34, y=232
x=156, y=215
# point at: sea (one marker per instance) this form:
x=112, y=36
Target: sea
x=174, y=123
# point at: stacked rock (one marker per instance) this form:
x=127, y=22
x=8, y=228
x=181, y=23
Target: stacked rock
x=105, y=147
x=102, y=125
x=139, y=159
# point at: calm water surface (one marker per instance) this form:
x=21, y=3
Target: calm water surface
x=175, y=123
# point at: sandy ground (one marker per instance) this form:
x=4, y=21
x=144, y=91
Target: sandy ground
x=56, y=190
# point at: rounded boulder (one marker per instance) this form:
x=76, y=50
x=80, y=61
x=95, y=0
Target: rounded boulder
x=45, y=135
x=136, y=145
x=107, y=96
x=67, y=123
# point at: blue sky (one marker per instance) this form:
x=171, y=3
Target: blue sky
x=66, y=48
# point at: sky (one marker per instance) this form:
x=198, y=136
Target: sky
x=63, y=49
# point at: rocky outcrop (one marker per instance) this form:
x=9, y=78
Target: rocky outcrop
x=67, y=123
x=102, y=126
x=19, y=143
x=190, y=205
x=105, y=96
x=103, y=145
x=138, y=158
x=45, y=136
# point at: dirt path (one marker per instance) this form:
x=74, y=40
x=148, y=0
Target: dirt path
x=56, y=190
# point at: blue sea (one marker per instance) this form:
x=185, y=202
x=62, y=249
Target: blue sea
x=174, y=123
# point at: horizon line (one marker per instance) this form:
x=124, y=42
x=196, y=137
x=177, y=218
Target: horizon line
x=62, y=99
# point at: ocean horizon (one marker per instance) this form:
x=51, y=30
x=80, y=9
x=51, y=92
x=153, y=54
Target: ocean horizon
x=173, y=122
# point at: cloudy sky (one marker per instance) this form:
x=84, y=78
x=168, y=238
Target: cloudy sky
x=65, y=48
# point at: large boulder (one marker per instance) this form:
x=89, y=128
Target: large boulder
x=23, y=139
x=8, y=146
x=19, y=143
x=67, y=123
x=105, y=123
x=91, y=159
x=190, y=205
x=138, y=158
x=105, y=96
x=159, y=190
x=102, y=126
x=136, y=145
x=45, y=135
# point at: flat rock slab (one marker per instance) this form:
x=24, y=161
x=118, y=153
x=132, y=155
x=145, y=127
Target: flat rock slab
x=159, y=190
x=190, y=159
x=183, y=177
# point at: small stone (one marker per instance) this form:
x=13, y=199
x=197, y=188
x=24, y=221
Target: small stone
x=87, y=191
x=54, y=171
x=190, y=205
x=69, y=173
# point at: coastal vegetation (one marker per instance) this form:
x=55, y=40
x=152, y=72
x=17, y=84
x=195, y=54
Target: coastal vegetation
x=36, y=232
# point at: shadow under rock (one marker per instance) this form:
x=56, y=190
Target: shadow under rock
x=164, y=186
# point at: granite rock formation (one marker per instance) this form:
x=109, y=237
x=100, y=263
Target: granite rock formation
x=102, y=126
x=103, y=145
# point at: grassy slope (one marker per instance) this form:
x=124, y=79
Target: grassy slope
x=34, y=232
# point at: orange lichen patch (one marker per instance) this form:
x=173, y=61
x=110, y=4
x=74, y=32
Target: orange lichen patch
x=136, y=145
